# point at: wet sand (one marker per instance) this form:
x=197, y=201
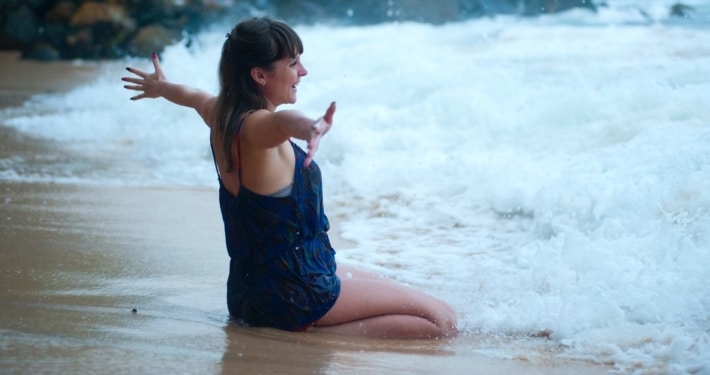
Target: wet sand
x=103, y=279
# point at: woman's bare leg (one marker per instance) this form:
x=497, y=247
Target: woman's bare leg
x=373, y=306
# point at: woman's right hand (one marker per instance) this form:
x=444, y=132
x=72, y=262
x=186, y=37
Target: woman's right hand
x=150, y=84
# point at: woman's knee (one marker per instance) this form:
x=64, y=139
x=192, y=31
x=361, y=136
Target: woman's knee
x=448, y=324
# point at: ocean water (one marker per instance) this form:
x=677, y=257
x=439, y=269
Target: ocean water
x=547, y=175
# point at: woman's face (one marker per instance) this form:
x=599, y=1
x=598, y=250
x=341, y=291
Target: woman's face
x=280, y=84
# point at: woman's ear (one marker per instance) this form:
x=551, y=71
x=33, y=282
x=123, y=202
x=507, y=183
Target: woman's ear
x=259, y=76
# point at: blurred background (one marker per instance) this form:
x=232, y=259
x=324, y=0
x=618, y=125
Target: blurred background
x=94, y=29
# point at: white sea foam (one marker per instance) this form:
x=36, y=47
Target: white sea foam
x=537, y=174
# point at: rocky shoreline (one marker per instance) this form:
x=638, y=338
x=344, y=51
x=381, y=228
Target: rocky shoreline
x=106, y=29
x=70, y=29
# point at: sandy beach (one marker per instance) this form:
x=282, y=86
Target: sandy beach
x=103, y=279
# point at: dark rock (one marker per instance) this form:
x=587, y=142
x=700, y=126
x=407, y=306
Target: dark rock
x=91, y=13
x=149, y=11
x=42, y=52
x=488, y=8
x=307, y=12
x=56, y=23
x=436, y=12
x=98, y=31
x=151, y=38
x=536, y=7
x=21, y=27
x=681, y=10
x=55, y=33
x=79, y=44
x=61, y=12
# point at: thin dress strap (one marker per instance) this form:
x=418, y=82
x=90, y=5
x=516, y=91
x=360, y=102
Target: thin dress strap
x=237, y=138
x=239, y=152
x=214, y=159
x=239, y=156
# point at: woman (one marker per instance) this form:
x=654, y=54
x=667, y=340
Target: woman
x=282, y=269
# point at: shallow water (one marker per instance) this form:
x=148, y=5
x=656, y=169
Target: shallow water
x=545, y=174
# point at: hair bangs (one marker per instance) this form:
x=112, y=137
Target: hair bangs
x=285, y=41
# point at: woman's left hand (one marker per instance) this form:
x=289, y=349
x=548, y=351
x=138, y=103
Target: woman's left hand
x=318, y=130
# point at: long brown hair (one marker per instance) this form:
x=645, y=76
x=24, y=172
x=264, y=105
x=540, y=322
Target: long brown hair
x=252, y=43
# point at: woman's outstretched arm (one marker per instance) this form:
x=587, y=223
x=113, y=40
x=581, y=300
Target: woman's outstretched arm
x=266, y=129
x=155, y=85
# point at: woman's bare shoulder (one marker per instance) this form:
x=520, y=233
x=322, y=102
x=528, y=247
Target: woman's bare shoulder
x=261, y=131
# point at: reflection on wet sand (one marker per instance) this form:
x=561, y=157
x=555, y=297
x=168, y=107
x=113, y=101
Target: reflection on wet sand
x=252, y=351
x=272, y=351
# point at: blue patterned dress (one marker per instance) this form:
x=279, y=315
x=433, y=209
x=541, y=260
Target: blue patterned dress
x=282, y=267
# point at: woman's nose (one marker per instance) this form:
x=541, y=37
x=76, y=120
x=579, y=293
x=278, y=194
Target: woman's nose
x=302, y=71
